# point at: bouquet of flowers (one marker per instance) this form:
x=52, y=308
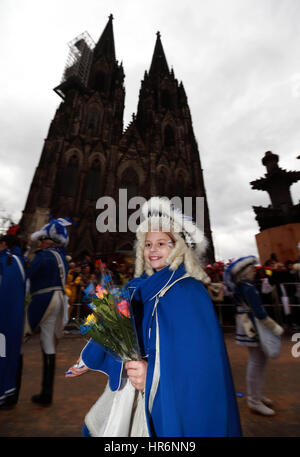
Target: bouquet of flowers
x=110, y=322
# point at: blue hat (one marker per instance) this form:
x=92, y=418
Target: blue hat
x=236, y=267
x=55, y=230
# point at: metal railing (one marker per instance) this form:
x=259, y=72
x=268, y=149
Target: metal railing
x=277, y=305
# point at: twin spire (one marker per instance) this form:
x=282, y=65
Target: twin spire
x=159, y=65
x=106, y=43
x=106, y=47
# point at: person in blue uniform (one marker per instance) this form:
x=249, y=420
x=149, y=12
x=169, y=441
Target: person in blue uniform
x=239, y=278
x=12, y=300
x=47, y=274
x=183, y=383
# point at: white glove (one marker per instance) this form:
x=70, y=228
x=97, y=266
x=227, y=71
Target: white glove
x=273, y=326
x=248, y=325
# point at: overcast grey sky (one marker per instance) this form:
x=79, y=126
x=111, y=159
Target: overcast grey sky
x=239, y=61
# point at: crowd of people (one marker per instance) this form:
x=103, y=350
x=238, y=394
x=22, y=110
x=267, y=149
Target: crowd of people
x=278, y=285
x=276, y=282
x=90, y=271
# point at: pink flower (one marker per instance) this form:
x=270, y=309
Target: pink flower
x=100, y=291
x=123, y=308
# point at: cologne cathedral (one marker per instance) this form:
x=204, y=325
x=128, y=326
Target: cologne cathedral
x=88, y=154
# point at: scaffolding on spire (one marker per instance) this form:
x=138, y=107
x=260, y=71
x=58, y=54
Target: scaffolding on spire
x=78, y=63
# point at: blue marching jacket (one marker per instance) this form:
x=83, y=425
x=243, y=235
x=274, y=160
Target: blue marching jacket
x=12, y=299
x=44, y=280
x=246, y=292
x=195, y=395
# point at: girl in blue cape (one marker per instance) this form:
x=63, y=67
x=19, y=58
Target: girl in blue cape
x=183, y=386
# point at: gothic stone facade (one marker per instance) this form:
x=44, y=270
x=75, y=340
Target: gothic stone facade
x=87, y=154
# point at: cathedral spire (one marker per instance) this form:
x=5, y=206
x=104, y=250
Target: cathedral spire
x=159, y=65
x=106, y=45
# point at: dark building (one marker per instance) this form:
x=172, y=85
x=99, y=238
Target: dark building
x=88, y=154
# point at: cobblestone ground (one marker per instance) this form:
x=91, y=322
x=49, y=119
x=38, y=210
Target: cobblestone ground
x=74, y=397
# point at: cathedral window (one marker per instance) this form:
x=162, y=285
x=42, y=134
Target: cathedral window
x=180, y=186
x=100, y=81
x=161, y=183
x=130, y=182
x=166, y=99
x=93, y=181
x=169, y=139
x=93, y=121
x=69, y=177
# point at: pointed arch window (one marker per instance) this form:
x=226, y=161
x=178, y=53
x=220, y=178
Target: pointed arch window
x=169, y=137
x=69, y=177
x=180, y=185
x=100, y=81
x=93, y=181
x=166, y=99
x=129, y=181
x=161, y=183
x=93, y=119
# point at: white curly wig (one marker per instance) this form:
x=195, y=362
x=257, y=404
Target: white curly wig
x=159, y=215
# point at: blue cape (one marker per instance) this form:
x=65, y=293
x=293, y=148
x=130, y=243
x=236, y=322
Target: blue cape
x=195, y=395
x=12, y=298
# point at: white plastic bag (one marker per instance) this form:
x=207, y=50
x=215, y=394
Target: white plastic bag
x=111, y=415
x=270, y=343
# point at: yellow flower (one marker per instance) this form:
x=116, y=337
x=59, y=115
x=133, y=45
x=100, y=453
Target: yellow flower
x=90, y=320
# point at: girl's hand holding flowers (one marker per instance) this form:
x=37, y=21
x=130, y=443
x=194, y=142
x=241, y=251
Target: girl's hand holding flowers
x=136, y=371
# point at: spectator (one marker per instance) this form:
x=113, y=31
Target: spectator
x=98, y=270
x=87, y=261
x=85, y=276
x=73, y=288
x=272, y=261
